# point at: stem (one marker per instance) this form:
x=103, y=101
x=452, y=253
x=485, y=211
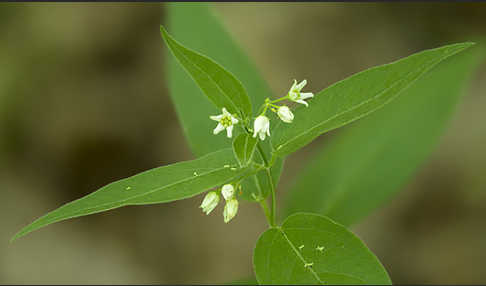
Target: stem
x=280, y=99
x=272, y=187
x=264, y=206
x=271, y=216
x=274, y=105
x=264, y=110
x=274, y=201
x=260, y=150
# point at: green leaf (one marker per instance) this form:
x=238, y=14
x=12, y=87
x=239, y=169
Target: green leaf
x=195, y=25
x=312, y=249
x=243, y=147
x=355, y=97
x=192, y=106
x=184, y=92
x=219, y=85
x=371, y=160
x=160, y=185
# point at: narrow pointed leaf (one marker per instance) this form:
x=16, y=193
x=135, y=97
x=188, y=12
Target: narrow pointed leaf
x=313, y=250
x=368, y=163
x=192, y=106
x=219, y=85
x=355, y=97
x=160, y=185
x=206, y=34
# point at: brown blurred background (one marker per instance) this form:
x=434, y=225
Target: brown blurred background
x=83, y=102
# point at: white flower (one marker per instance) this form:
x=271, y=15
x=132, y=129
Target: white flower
x=210, y=201
x=296, y=95
x=226, y=121
x=228, y=191
x=230, y=210
x=285, y=114
x=261, y=127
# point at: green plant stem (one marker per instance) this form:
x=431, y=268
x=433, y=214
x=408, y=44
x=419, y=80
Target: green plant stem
x=260, y=150
x=271, y=216
x=264, y=109
x=272, y=188
x=274, y=200
x=274, y=105
x=279, y=99
x=264, y=205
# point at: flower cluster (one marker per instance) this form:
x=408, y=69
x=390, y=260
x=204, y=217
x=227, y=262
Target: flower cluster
x=261, y=125
x=211, y=200
x=261, y=128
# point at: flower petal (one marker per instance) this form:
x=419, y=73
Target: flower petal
x=302, y=102
x=229, y=131
x=262, y=135
x=225, y=112
x=218, y=128
x=255, y=133
x=293, y=86
x=305, y=95
x=301, y=85
x=234, y=120
x=216, y=117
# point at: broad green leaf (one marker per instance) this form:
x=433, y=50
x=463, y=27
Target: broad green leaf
x=219, y=85
x=312, y=249
x=243, y=147
x=367, y=163
x=197, y=27
x=160, y=185
x=355, y=97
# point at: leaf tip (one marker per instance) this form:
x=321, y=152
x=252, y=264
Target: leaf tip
x=164, y=33
x=465, y=45
x=16, y=236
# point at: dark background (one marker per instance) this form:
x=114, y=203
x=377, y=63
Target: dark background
x=83, y=102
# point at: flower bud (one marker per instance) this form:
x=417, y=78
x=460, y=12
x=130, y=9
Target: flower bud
x=261, y=127
x=210, y=201
x=285, y=114
x=230, y=210
x=228, y=191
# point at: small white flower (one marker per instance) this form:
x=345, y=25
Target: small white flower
x=226, y=121
x=285, y=114
x=210, y=201
x=228, y=191
x=230, y=210
x=296, y=95
x=261, y=127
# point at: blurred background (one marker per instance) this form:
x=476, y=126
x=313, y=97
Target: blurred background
x=83, y=102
